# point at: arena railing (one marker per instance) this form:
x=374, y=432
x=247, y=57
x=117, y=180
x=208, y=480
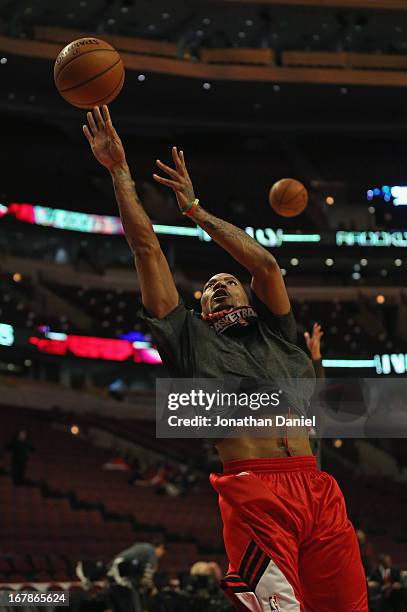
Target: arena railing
x=243, y=65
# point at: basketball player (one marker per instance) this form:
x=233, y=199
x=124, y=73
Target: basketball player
x=289, y=542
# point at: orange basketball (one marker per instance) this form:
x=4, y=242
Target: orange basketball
x=89, y=72
x=288, y=197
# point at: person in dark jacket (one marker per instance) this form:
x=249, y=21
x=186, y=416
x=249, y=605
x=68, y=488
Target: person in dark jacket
x=387, y=577
x=20, y=448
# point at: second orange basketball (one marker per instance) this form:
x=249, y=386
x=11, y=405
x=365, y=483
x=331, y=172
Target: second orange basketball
x=288, y=197
x=89, y=72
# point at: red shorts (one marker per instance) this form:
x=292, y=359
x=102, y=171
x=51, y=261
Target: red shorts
x=290, y=544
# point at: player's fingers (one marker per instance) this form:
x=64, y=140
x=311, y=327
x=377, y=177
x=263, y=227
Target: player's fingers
x=184, y=166
x=181, y=154
x=306, y=335
x=98, y=117
x=177, y=160
x=170, y=171
x=88, y=135
x=105, y=113
x=92, y=123
x=173, y=184
x=106, y=117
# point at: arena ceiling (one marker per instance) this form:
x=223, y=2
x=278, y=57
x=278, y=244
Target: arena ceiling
x=220, y=23
x=153, y=102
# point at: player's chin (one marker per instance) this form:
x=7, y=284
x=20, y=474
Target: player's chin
x=218, y=305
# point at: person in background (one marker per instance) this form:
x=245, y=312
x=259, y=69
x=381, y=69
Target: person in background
x=313, y=343
x=134, y=568
x=387, y=577
x=118, y=463
x=365, y=551
x=206, y=568
x=136, y=472
x=20, y=448
x=185, y=479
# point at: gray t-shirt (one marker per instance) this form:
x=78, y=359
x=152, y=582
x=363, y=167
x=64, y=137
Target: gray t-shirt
x=141, y=553
x=263, y=350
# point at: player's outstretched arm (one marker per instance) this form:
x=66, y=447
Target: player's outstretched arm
x=158, y=290
x=267, y=280
x=313, y=343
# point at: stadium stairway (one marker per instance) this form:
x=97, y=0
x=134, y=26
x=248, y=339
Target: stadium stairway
x=43, y=534
x=76, y=510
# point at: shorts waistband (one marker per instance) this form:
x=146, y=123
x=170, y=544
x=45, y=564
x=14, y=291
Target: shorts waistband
x=272, y=464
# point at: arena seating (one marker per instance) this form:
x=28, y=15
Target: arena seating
x=43, y=537
x=15, y=307
x=50, y=526
x=375, y=504
x=323, y=29
x=113, y=312
x=72, y=469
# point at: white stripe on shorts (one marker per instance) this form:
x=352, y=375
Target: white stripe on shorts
x=275, y=593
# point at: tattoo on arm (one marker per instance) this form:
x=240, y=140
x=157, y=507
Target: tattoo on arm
x=136, y=223
x=234, y=240
x=158, y=290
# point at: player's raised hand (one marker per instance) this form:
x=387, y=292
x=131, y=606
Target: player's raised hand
x=313, y=341
x=103, y=139
x=178, y=179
